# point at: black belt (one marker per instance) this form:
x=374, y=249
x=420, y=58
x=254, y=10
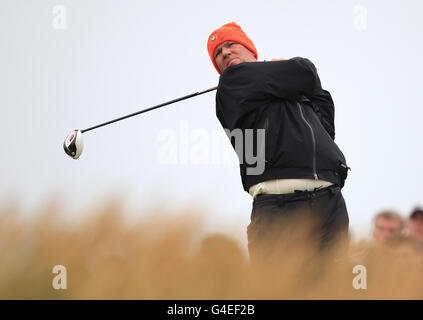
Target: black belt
x=299, y=194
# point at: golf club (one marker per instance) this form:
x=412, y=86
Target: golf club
x=73, y=144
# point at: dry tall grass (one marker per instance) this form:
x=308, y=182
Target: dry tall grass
x=166, y=257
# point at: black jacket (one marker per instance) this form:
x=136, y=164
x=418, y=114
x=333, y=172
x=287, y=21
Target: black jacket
x=286, y=99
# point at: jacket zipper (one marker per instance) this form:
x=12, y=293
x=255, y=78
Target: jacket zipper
x=313, y=139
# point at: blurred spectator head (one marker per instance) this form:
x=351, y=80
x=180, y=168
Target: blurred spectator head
x=388, y=226
x=415, y=224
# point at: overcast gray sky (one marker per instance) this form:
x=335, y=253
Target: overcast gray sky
x=116, y=57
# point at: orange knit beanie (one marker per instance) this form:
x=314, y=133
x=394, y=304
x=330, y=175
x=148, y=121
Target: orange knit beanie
x=230, y=31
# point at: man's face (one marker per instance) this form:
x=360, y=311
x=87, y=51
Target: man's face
x=415, y=226
x=230, y=53
x=386, y=229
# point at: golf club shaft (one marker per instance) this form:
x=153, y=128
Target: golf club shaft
x=149, y=109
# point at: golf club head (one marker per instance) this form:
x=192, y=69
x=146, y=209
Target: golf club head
x=73, y=144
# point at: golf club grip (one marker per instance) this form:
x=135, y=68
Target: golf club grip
x=149, y=109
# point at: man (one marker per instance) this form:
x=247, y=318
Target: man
x=386, y=238
x=388, y=226
x=304, y=170
x=415, y=226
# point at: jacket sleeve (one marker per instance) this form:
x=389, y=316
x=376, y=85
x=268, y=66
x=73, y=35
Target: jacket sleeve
x=252, y=82
x=246, y=86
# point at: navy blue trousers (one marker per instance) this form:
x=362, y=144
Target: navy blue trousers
x=280, y=222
